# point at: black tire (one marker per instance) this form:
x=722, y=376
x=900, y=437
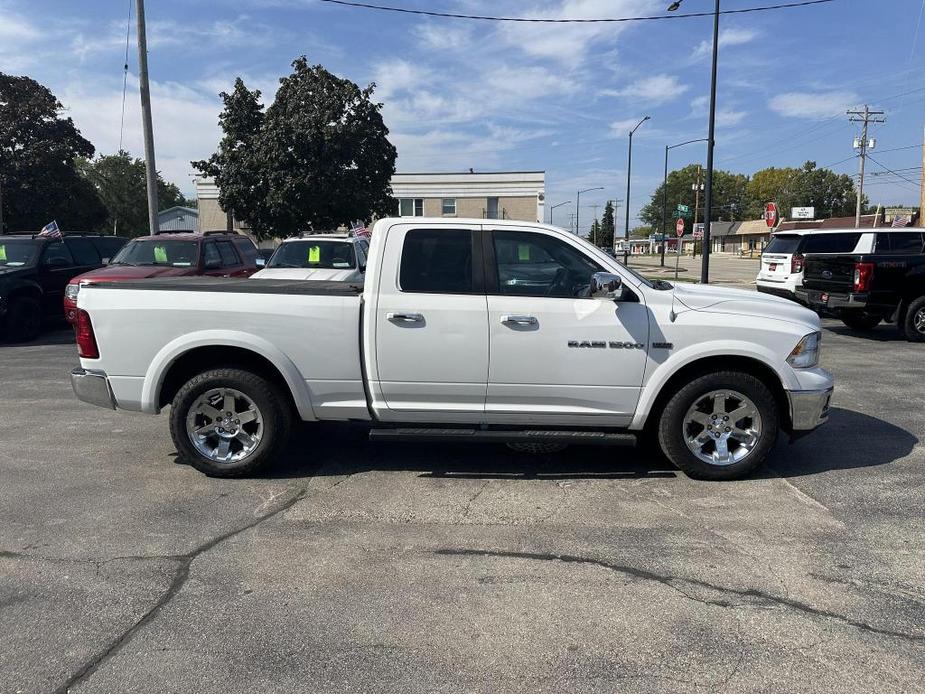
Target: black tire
x=23, y=319
x=914, y=321
x=274, y=415
x=672, y=427
x=858, y=320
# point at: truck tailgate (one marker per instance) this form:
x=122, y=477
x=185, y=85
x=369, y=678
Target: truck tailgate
x=830, y=273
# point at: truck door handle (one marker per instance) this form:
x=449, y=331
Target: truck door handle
x=405, y=317
x=519, y=320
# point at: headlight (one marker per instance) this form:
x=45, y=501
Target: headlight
x=71, y=291
x=806, y=354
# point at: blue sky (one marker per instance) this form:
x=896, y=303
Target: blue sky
x=496, y=96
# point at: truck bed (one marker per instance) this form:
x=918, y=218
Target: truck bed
x=308, y=330
x=234, y=285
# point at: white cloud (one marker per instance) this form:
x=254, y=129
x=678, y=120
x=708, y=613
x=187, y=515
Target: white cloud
x=812, y=105
x=185, y=123
x=18, y=38
x=727, y=37
x=654, y=90
x=439, y=36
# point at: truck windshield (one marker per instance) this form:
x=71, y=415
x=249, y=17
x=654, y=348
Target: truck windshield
x=171, y=253
x=18, y=252
x=783, y=243
x=315, y=254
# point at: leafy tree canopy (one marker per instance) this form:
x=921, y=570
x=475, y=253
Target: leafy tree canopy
x=120, y=183
x=730, y=197
x=39, y=180
x=319, y=156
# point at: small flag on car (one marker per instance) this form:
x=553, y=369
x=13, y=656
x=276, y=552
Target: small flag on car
x=900, y=221
x=359, y=229
x=51, y=231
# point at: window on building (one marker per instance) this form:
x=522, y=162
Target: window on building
x=411, y=207
x=491, y=211
x=448, y=206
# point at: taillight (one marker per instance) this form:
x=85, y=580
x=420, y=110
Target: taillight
x=863, y=272
x=86, y=340
x=796, y=263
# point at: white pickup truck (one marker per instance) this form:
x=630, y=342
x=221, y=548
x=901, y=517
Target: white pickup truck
x=472, y=330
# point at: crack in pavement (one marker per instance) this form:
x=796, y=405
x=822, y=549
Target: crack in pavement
x=180, y=577
x=670, y=581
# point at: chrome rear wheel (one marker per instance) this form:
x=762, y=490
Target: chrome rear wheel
x=224, y=425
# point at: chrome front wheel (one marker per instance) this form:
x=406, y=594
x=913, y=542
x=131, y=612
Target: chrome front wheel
x=224, y=425
x=722, y=427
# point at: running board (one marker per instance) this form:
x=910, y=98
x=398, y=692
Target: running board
x=583, y=438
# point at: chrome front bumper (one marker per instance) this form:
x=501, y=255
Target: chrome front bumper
x=809, y=408
x=92, y=387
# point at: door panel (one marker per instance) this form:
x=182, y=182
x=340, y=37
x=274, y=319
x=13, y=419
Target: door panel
x=431, y=322
x=553, y=350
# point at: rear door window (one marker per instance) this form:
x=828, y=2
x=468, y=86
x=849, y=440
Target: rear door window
x=830, y=243
x=83, y=250
x=899, y=243
x=784, y=243
x=247, y=249
x=210, y=256
x=108, y=246
x=226, y=251
x=437, y=261
x=57, y=254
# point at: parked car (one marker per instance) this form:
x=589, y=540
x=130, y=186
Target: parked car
x=332, y=257
x=782, y=261
x=172, y=254
x=464, y=330
x=34, y=271
x=885, y=283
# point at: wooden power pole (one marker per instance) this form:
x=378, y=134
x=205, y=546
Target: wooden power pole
x=147, y=127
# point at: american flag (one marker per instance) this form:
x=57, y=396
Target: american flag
x=359, y=229
x=51, y=231
x=900, y=220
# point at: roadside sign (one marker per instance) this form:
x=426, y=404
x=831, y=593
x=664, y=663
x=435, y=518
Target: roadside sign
x=679, y=227
x=771, y=214
x=802, y=213
x=698, y=231
x=683, y=208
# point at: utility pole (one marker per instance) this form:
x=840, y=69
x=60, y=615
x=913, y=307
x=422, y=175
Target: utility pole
x=150, y=167
x=698, y=186
x=862, y=145
x=593, y=230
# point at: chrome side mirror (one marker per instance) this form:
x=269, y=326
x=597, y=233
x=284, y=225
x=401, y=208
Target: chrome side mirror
x=605, y=285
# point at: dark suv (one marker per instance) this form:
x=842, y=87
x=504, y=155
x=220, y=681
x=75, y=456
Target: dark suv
x=34, y=270
x=172, y=254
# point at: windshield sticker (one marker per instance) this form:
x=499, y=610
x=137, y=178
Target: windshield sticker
x=341, y=263
x=2, y=254
x=523, y=252
x=314, y=254
x=178, y=264
x=160, y=254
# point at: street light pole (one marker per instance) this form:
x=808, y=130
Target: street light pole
x=578, y=206
x=711, y=141
x=665, y=193
x=554, y=207
x=629, y=170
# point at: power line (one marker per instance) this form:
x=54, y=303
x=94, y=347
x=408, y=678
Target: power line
x=862, y=144
x=891, y=170
x=537, y=20
x=128, y=27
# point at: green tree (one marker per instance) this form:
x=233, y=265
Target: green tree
x=319, y=155
x=120, y=183
x=39, y=181
x=730, y=197
x=605, y=236
x=832, y=194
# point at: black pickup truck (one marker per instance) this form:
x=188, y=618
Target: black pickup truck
x=864, y=289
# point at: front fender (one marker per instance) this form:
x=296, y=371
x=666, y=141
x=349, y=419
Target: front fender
x=703, y=350
x=165, y=358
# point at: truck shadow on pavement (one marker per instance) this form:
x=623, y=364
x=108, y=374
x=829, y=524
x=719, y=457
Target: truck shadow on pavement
x=849, y=440
x=54, y=334
x=882, y=333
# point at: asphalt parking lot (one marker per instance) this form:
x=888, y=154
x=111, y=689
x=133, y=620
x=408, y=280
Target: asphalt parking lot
x=354, y=567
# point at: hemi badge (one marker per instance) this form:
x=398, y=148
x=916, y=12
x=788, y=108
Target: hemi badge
x=662, y=345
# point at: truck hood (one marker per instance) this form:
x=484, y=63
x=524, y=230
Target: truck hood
x=743, y=302
x=135, y=272
x=323, y=274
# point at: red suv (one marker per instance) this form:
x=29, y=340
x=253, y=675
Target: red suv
x=172, y=254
